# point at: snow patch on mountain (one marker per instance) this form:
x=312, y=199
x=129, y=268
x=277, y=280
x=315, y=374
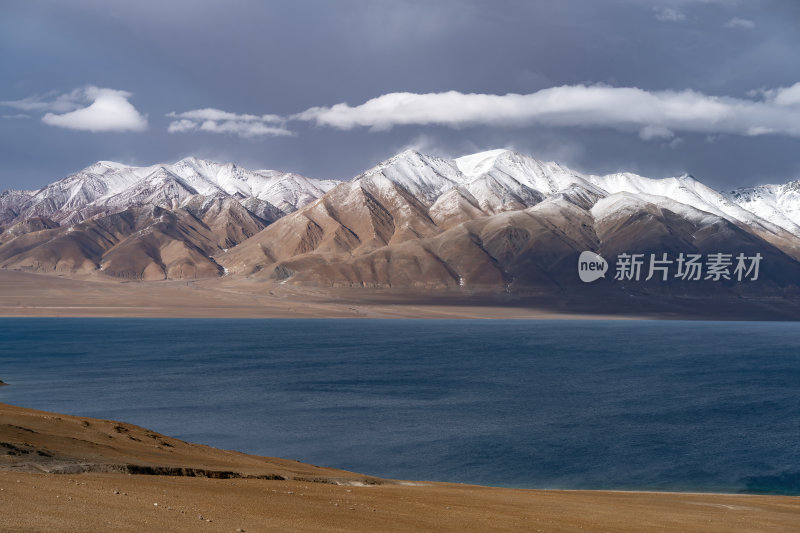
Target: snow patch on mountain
x=780, y=204
x=474, y=165
x=625, y=204
x=426, y=177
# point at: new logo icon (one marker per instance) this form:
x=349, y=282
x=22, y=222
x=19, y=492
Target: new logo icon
x=591, y=267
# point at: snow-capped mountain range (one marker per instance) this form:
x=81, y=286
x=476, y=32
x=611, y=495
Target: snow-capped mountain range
x=503, y=180
x=495, y=181
x=107, y=186
x=494, y=218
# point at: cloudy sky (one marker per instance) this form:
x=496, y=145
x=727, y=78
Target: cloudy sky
x=329, y=88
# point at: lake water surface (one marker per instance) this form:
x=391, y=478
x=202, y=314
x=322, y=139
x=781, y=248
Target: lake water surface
x=657, y=405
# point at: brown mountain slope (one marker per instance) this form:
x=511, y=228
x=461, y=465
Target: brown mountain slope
x=148, y=243
x=27, y=226
x=37, y=441
x=354, y=218
x=526, y=250
x=227, y=218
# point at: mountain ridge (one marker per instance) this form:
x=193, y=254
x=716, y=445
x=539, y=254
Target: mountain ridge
x=492, y=221
x=105, y=186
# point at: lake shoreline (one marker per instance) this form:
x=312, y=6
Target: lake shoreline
x=309, y=497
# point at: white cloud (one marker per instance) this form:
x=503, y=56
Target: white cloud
x=180, y=126
x=244, y=128
x=651, y=114
x=676, y=142
x=52, y=101
x=648, y=133
x=217, y=121
x=740, y=23
x=109, y=110
x=668, y=14
x=786, y=96
x=782, y=96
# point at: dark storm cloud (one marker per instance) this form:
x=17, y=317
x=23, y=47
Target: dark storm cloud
x=259, y=62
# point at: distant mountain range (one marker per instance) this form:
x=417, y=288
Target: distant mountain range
x=163, y=221
x=492, y=221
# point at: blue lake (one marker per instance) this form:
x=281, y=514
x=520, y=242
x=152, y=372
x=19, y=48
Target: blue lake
x=657, y=405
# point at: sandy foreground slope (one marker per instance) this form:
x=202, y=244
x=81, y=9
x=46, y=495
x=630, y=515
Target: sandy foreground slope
x=216, y=490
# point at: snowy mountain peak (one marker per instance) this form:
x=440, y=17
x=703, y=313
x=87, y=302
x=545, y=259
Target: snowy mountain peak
x=107, y=186
x=113, y=165
x=411, y=157
x=100, y=168
x=793, y=185
x=779, y=204
x=191, y=162
x=424, y=176
x=408, y=153
x=474, y=165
